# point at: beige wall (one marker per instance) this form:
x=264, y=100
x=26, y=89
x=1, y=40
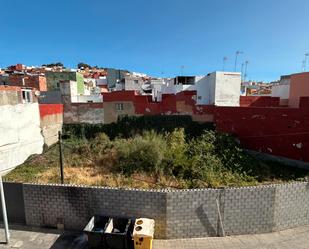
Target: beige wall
x=51, y=125
x=299, y=87
x=111, y=114
x=9, y=98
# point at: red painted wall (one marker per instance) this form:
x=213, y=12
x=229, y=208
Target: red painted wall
x=119, y=96
x=260, y=124
x=50, y=109
x=259, y=101
x=299, y=87
x=144, y=105
x=304, y=102
x=278, y=131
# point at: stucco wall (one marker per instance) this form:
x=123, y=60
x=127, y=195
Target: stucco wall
x=227, y=89
x=111, y=114
x=282, y=91
x=276, y=131
x=299, y=87
x=53, y=79
x=20, y=134
x=51, y=122
x=9, y=97
x=178, y=213
x=218, y=88
x=92, y=113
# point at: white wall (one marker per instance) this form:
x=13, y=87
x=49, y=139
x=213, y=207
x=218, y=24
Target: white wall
x=227, y=89
x=282, y=91
x=96, y=98
x=20, y=134
x=130, y=83
x=218, y=88
x=101, y=81
x=202, y=87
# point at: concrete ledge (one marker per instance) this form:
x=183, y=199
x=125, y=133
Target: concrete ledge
x=284, y=160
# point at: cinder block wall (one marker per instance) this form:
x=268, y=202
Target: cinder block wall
x=46, y=204
x=291, y=206
x=192, y=213
x=178, y=213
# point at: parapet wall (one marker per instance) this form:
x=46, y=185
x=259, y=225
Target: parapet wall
x=178, y=213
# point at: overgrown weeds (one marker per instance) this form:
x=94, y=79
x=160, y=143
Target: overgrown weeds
x=156, y=160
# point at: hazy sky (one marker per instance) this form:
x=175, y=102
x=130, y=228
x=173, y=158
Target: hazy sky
x=158, y=36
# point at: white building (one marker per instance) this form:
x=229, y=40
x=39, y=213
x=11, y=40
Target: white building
x=281, y=91
x=20, y=130
x=282, y=88
x=218, y=88
x=69, y=89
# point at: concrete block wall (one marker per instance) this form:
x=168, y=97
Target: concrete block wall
x=249, y=210
x=192, y=213
x=291, y=206
x=178, y=213
x=47, y=205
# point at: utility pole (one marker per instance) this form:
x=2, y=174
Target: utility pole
x=181, y=70
x=236, y=56
x=305, y=61
x=60, y=156
x=303, y=66
x=242, y=71
x=246, y=67
x=224, y=62
x=4, y=214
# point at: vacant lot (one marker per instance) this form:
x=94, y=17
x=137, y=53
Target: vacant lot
x=153, y=160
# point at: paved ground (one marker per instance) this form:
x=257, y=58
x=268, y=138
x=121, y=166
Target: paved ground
x=26, y=238
x=297, y=238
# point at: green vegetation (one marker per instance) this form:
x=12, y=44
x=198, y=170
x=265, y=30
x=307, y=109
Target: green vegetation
x=129, y=126
x=155, y=160
x=84, y=66
x=57, y=64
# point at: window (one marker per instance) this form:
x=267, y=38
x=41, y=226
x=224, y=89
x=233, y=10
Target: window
x=136, y=82
x=27, y=96
x=119, y=106
x=199, y=97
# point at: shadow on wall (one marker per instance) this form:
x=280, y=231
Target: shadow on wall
x=259, y=101
x=203, y=217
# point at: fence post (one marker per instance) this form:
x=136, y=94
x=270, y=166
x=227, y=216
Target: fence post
x=4, y=213
x=61, y=156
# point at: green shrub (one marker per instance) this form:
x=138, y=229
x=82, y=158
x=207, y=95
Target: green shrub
x=176, y=161
x=141, y=153
x=129, y=126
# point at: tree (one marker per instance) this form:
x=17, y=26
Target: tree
x=83, y=65
x=57, y=64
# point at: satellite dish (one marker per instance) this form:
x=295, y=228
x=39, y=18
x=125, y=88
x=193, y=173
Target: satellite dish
x=37, y=93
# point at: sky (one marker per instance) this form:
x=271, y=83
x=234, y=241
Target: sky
x=158, y=37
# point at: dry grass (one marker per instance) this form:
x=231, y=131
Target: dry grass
x=90, y=163
x=95, y=176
